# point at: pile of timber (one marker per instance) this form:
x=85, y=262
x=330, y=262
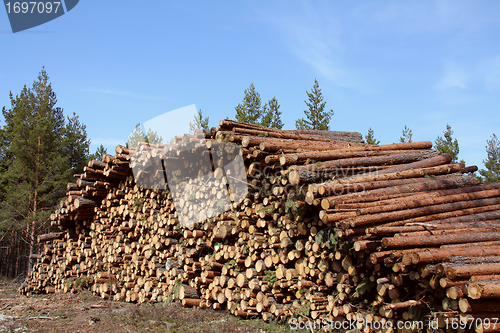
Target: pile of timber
x=331, y=228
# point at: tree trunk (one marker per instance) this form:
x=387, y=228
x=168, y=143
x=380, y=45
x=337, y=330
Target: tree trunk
x=35, y=204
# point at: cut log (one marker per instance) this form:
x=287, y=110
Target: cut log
x=382, y=192
x=328, y=166
x=427, y=241
x=422, y=211
x=469, y=305
x=404, y=174
x=437, y=255
x=486, y=289
x=426, y=163
x=50, y=237
x=466, y=271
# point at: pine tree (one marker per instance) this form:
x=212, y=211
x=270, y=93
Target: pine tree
x=407, y=135
x=198, y=122
x=317, y=118
x=43, y=151
x=272, y=114
x=138, y=135
x=370, y=138
x=447, y=144
x=152, y=137
x=492, y=163
x=249, y=111
x=99, y=153
x=76, y=144
x=5, y=161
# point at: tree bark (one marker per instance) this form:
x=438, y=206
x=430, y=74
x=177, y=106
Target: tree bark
x=427, y=163
x=331, y=165
x=419, y=185
x=430, y=256
x=364, y=220
x=426, y=200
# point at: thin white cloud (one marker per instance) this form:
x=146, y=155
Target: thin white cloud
x=318, y=52
x=484, y=72
x=311, y=36
x=122, y=93
x=327, y=37
x=433, y=16
x=454, y=77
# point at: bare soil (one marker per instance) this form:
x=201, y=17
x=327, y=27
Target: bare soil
x=85, y=312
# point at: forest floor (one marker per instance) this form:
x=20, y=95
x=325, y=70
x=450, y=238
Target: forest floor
x=85, y=312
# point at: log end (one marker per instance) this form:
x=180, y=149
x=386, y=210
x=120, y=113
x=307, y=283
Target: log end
x=474, y=290
x=325, y=204
x=294, y=177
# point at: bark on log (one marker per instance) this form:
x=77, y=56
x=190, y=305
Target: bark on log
x=81, y=203
x=469, y=305
x=429, y=256
x=50, y=236
x=466, y=271
x=445, y=224
x=290, y=159
x=419, y=186
x=274, y=145
x=427, y=241
x=331, y=165
x=293, y=136
x=486, y=289
x=364, y=220
x=330, y=133
x=481, y=213
x=404, y=174
x=360, y=184
x=379, y=189
x=427, y=163
x=426, y=200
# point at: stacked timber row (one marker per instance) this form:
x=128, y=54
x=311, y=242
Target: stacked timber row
x=331, y=228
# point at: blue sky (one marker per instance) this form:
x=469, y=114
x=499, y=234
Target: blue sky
x=380, y=64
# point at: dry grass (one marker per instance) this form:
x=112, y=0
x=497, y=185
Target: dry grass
x=78, y=313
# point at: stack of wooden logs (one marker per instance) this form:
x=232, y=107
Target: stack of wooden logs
x=331, y=228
